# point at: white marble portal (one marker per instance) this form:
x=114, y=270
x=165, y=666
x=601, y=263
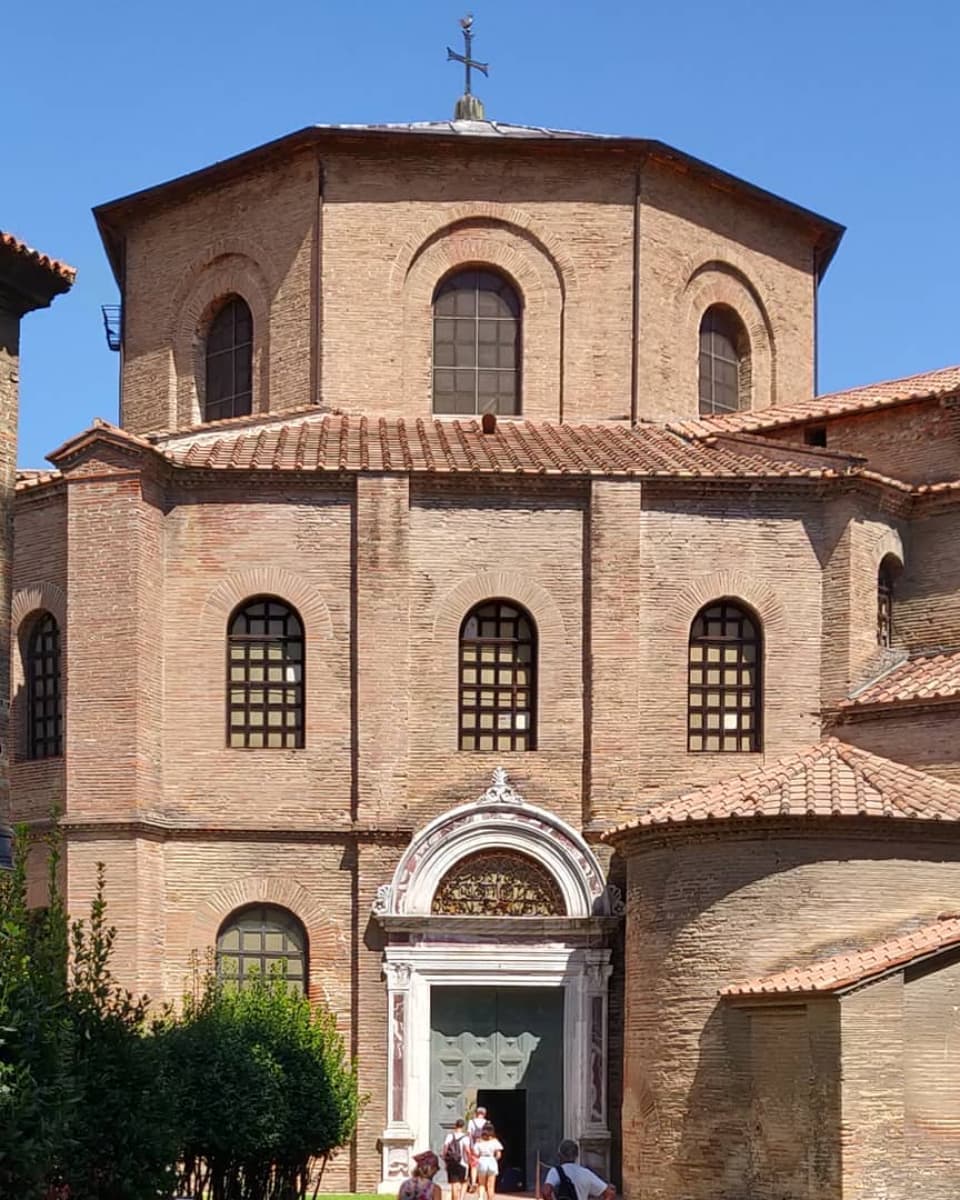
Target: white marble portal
x=564, y=952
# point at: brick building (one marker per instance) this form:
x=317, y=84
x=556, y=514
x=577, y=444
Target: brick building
x=477, y=611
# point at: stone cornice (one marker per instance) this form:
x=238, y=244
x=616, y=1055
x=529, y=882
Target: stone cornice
x=164, y=828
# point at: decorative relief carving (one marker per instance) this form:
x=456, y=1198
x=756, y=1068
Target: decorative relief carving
x=499, y=883
x=596, y=1058
x=614, y=900
x=398, y=974
x=500, y=791
x=382, y=900
x=398, y=1033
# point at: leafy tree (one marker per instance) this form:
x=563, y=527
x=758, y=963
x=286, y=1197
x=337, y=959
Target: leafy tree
x=263, y=1089
x=36, y=1094
x=121, y=1136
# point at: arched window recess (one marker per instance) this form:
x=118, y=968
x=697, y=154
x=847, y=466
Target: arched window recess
x=228, y=357
x=498, y=678
x=725, y=376
x=477, y=317
x=725, y=665
x=265, y=669
x=260, y=941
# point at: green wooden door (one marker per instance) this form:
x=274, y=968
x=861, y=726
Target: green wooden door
x=499, y=1039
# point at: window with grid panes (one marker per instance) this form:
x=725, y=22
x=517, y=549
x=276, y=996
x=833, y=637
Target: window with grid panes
x=885, y=605
x=723, y=710
x=723, y=342
x=259, y=941
x=42, y=672
x=265, y=676
x=229, y=361
x=476, y=345
x=498, y=669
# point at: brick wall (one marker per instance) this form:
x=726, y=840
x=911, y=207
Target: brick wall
x=341, y=287
x=704, y=913
x=914, y=442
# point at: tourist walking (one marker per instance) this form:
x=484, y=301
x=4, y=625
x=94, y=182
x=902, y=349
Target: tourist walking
x=420, y=1185
x=456, y=1146
x=488, y=1149
x=475, y=1132
x=585, y=1183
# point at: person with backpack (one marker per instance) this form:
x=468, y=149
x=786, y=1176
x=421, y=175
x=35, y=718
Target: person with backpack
x=455, y=1150
x=568, y=1180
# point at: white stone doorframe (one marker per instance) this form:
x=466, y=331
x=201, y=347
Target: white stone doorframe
x=411, y=971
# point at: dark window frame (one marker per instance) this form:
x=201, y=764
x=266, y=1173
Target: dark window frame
x=713, y=648
x=256, y=650
x=260, y=914
x=471, y=706
x=474, y=333
x=43, y=679
x=886, y=589
x=723, y=343
x=228, y=367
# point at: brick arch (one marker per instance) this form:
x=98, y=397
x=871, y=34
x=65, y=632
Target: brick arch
x=329, y=956
x=509, y=250
x=268, y=581
x=231, y=271
x=717, y=281
x=733, y=585
x=37, y=596
x=479, y=211
x=454, y=604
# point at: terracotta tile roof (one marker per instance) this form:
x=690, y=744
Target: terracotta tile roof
x=927, y=386
x=31, y=478
x=922, y=677
x=830, y=779
x=53, y=265
x=854, y=967
x=337, y=442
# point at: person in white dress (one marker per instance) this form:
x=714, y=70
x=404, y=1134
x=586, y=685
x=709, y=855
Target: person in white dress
x=587, y=1184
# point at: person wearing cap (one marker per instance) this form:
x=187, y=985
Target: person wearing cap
x=587, y=1184
x=421, y=1185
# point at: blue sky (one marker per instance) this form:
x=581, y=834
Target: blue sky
x=848, y=107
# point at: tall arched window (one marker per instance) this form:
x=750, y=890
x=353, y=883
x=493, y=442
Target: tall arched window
x=724, y=362
x=498, y=678
x=42, y=673
x=886, y=583
x=476, y=344
x=265, y=676
x=229, y=362
x=260, y=940
x=724, y=688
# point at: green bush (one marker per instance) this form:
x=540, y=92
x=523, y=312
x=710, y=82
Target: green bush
x=243, y=1096
x=36, y=1087
x=263, y=1091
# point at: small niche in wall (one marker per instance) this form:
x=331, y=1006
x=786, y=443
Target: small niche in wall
x=815, y=435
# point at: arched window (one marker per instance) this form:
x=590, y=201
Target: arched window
x=724, y=362
x=498, y=678
x=229, y=359
x=260, y=940
x=476, y=344
x=42, y=673
x=886, y=583
x=725, y=665
x=265, y=675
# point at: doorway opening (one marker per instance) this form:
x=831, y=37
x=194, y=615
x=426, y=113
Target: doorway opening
x=508, y=1112
x=502, y=1046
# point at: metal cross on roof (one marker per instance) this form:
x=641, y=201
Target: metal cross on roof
x=469, y=63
